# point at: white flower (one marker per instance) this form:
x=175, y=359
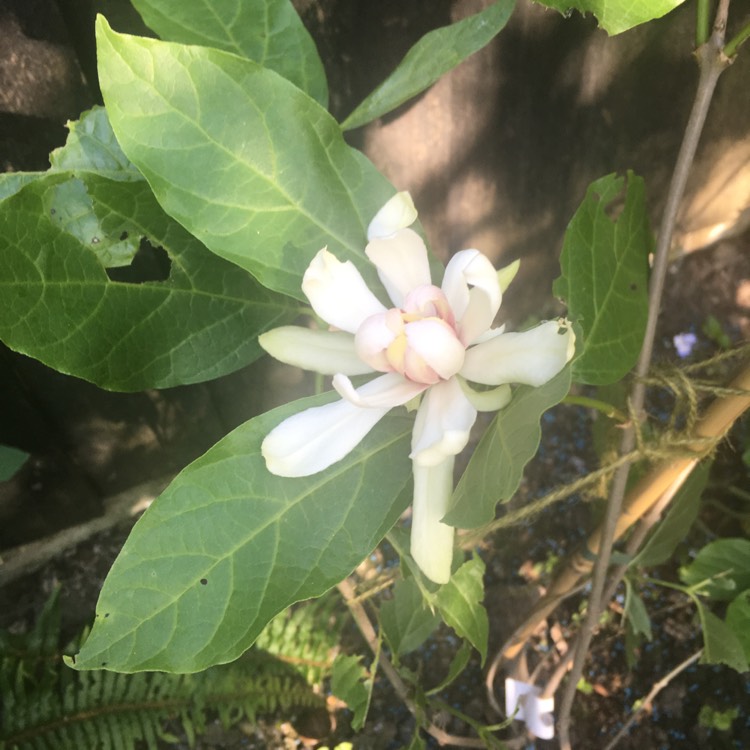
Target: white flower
x=432, y=341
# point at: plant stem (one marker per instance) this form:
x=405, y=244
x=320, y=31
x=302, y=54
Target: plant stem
x=655, y=690
x=594, y=403
x=702, y=15
x=730, y=50
x=712, y=63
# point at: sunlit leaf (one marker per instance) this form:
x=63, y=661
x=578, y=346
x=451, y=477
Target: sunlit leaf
x=604, y=277
x=726, y=562
x=268, y=32
x=511, y=441
x=58, y=305
x=460, y=604
x=228, y=545
x=616, y=16
x=434, y=54
x=406, y=619
x=242, y=158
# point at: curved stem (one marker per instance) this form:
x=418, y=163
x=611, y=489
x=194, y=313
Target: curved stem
x=712, y=63
x=730, y=50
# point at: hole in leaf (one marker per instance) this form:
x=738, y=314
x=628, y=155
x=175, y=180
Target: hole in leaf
x=149, y=264
x=123, y=236
x=204, y=581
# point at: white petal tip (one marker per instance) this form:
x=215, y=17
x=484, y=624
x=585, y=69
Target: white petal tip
x=399, y=212
x=523, y=702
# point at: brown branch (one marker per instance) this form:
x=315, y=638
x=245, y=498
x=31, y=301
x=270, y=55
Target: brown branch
x=712, y=63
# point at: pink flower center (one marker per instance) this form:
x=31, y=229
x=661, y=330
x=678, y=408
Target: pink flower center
x=419, y=341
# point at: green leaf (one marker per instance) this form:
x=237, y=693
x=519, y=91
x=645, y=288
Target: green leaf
x=727, y=562
x=352, y=684
x=635, y=612
x=721, y=645
x=239, y=156
x=457, y=666
x=434, y=54
x=58, y=305
x=616, y=16
x=269, y=32
x=406, y=619
x=678, y=521
x=228, y=545
x=460, y=604
x=738, y=620
x=605, y=278
x=91, y=146
x=511, y=441
x=12, y=182
x=11, y=460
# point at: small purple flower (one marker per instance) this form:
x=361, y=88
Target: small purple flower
x=684, y=343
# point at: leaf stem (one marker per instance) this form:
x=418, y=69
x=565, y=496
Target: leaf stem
x=601, y=406
x=702, y=22
x=712, y=63
x=730, y=50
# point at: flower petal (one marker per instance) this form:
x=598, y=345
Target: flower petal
x=338, y=293
x=432, y=344
x=492, y=400
x=443, y=422
x=326, y=352
x=431, y=539
x=532, y=357
x=312, y=440
x=402, y=263
x=386, y=391
x=474, y=308
x=397, y=213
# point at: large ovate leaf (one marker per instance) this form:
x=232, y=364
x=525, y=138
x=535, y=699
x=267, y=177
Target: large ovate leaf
x=720, y=644
x=604, y=277
x=511, y=441
x=228, y=545
x=674, y=528
x=724, y=566
x=434, y=54
x=58, y=305
x=248, y=163
x=11, y=460
x=267, y=31
x=616, y=16
x=460, y=604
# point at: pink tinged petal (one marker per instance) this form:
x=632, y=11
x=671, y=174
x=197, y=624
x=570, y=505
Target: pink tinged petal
x=316, y=438
x=374, y=337
x=402, y=263
x=428, y=301
x=431, y=539
x=326, y=352
x=475, y=308
x=432, y=348
x=532, y=357
x=338, y=293
x=443, y=423
x=385, y=391
x=397, y=213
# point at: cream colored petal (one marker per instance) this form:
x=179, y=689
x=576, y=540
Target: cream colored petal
x=397, y=213
x=472, y=287
x=402, y=263
x=385, y=391
x=444, y=420
x=316, y=438
x=431, y=539
x=338, y=293
x=326, y=352
x=532, y=357
x=492, y=400
x=434, y=343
